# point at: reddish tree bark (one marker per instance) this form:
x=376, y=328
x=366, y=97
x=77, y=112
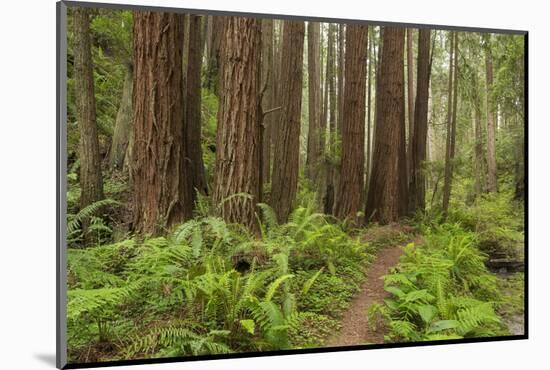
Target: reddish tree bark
x=387, y=196
x=287, y=151
x=162, y=186
x=351, y=184
x=237, y=178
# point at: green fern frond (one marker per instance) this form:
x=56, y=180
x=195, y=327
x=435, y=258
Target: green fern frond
x=85, y=213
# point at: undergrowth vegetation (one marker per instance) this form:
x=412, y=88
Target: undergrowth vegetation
x=209, y=287
x=442, y=288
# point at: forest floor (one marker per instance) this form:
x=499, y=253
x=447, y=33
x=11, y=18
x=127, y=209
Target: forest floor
x=355, y=328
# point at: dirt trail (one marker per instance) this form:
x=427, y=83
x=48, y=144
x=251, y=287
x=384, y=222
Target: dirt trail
x=355, y=329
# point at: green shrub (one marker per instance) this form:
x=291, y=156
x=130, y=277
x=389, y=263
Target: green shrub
x=440, y=290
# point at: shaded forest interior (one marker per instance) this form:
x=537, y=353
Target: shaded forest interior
x=231, y=179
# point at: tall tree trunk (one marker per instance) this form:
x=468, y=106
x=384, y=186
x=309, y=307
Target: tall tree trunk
x=275, y=116
x=325, y=99
x=410, y=97
x=268, y=101
x=204, y=35
x=213, y=55
x=417, y=183
x=491, y=136
x=451, y=124
x=479, y=181
x=123, y=123
x=341, y=75
x=237, y=189
x=314, y=92
x=369, y=105
x=185, y=52
x=387, y=196
x=287, y=151
x=377, y=57
x=351, y=184
x=162, y=186
x=91, y=182
x=331, y=103
x=192, y=122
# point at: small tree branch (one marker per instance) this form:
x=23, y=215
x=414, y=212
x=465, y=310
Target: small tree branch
x=271, y=110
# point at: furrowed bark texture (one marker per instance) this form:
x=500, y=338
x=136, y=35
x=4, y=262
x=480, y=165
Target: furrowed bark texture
x=351, y=184
x=287, y=150
x=387, y=196
x=162, y=186
x=238, y=145
x=91, y=182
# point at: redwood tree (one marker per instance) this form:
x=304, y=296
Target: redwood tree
x=330, y=102
x=238, y=146
x=162, y=186
x=387, y=196
x=91, y=183
x=192, y=121
x=123, y=122
x=287, y=149
x=214, y=34
x=451, y=123
x=268, y=98
x=314, y=93
x=491, y=129
x=351, y=186
x=417, y=183
x=410, y=96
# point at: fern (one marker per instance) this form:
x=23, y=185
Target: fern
x=178, y=341
x=269, y=217
x=85, y=213
x=434, y=294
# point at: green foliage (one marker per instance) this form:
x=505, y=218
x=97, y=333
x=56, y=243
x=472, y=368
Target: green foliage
x=440, y=290
x=512, y=288
x=206, y=287
x=192, y=273
x=497, y=220
x=97, y=226
x=176, y=340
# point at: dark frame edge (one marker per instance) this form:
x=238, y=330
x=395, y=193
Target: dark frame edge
x=290, y=352
x=286, y=16
x=526, y=184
